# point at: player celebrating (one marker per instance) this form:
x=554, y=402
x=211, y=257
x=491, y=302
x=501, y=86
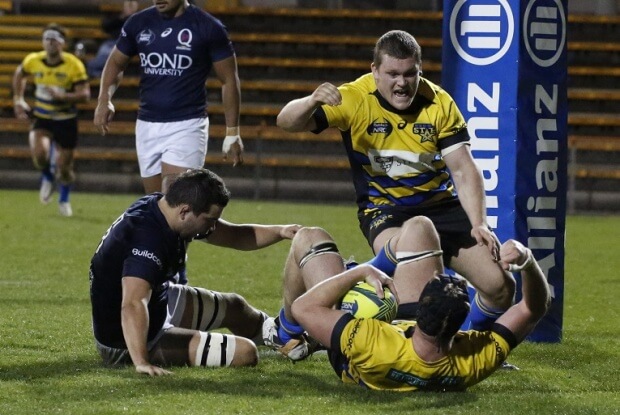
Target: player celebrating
x=408, y=148
x=177, y=45
x=60, y=82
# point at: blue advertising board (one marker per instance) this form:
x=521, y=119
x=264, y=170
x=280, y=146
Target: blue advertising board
x=505, y=64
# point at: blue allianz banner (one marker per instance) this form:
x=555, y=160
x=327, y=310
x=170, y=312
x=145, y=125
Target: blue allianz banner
x=505, y=64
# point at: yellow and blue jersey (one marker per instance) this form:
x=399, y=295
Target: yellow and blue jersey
x=61, y=77
x=396, y=156
x=381, y=356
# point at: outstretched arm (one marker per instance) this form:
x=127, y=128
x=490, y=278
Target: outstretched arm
x=248, y=237
x=470, y=187
x=522, y=317
x=315, y=311
x=296, y=116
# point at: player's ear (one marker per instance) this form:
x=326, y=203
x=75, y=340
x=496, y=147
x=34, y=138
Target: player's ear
x=185, y=209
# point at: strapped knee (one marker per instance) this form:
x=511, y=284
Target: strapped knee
x=215, y=350
x=405, y=257
x=319, y=249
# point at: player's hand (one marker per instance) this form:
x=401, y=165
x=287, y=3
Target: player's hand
x=289, y=231
x=104, y=113
x=233, y=147
x=485, y=236
x=326, y=93
x=21, y=109
x=514, y=256
x=378, y=279
x=57, y=94
x=152, y=370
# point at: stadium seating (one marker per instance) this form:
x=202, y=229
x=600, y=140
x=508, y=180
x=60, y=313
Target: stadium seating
x=281, y=56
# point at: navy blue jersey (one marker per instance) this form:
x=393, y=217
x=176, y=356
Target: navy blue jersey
x=176, y=56
x=138, y=244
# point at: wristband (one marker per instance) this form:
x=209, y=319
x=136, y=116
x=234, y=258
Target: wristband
x=229, y=140
x=528, y=261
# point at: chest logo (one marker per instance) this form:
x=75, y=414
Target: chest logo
x=426, y=132
x=166, y=32
x=185, y=39
x=146, y=36
x=380, y=127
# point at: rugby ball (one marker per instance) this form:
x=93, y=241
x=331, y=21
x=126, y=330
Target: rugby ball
x=363, y=302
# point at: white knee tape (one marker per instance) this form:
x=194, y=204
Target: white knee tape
x=215, y=350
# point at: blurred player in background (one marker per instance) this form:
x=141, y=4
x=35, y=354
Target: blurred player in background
x=430, y=354
x=177, y=45
x=60, y=82
x=131, y=294
x=408, y=148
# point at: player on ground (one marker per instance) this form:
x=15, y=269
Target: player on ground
x=131, y=294
x=177, y=45
x=430, y=354
x=60, y=82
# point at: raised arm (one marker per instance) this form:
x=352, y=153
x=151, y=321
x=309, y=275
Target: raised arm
x=135, y=322
x=296, y=116
x=110, y=79
x=315, y=311
x=522, y=317
x=248, y=237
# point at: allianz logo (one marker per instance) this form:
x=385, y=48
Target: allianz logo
x=146, y=254
x=482, y=31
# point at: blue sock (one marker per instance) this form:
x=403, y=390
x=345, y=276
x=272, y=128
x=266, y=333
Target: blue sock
x=63, y=193
x=482, y=317
x=288, y=330
x=47, y=174
x=383, y=261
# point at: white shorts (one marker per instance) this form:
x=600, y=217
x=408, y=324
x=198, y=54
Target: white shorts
x=179, y=143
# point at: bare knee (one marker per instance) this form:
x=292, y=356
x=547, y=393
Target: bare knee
x=246, y=353
x=417, y=233
x=498, y=292
x=306, y=237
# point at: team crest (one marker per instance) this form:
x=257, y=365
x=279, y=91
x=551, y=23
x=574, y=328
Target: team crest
x=185, y=39
x=380, y=127
x=426, y=132
x=385, y=162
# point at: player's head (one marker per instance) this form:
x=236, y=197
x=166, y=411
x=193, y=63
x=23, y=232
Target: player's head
x=396, y=67
x=443, y=306
x=53, y=39
x=171, y=7
x=200, y=189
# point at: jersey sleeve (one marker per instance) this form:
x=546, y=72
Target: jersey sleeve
x=452, y=128
x=341, y=116
x=27, y=63
x=220, y=45
x=145, y=258
x=126, y=42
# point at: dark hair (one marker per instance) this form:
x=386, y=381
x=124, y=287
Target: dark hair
x=397, y=44
x=443, y=306
x=200, y=189
x=57, y=28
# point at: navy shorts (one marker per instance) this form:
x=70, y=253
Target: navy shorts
x=449, y=219
x=64, y=132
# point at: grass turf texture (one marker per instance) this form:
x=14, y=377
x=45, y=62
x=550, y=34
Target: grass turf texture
x=48, y=363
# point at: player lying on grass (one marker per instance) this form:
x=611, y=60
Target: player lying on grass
x=429, y=354
x=131, y=294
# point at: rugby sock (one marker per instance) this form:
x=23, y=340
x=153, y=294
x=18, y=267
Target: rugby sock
x=47, y=174
x=63, y=193
x=288, y=330
x=482, y=317
x=385, y=261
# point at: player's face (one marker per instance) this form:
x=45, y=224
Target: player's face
x=53, y=46
x=397, y=80
x=170, y=7
x=202, y=223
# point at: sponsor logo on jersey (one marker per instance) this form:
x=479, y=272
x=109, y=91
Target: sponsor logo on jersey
x=146, y=36
x=185, y=39
x=164, y=64
x=166, y=32
x=380, y=127
x=146, y=254
x=426, y=132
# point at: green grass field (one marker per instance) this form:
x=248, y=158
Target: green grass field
x=48, y=362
